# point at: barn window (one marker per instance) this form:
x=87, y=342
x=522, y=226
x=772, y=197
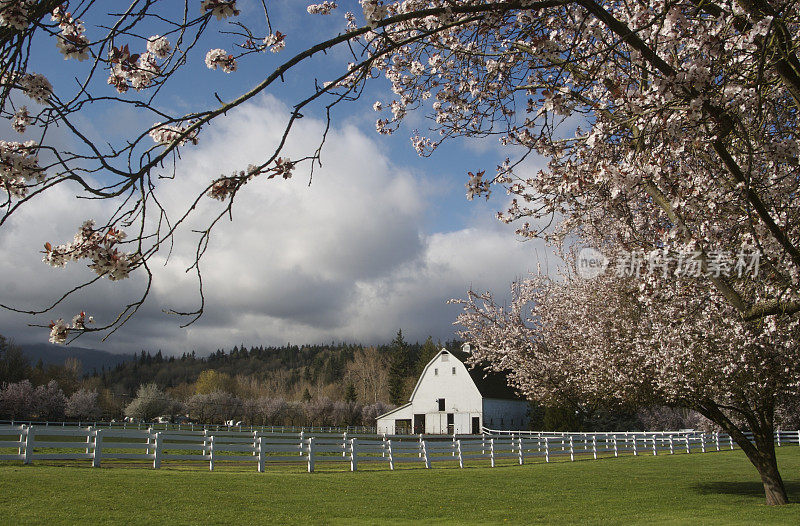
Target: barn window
x=441, y=404
x=445, y=357
x=454, y=370
x=435, y=372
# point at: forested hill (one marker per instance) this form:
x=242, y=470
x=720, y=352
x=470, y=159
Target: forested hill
x=90, y=359
x=337, y=370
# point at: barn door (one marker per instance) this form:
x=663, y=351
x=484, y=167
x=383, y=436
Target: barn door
x=451, y=427
x=419, y=424
x=476, y=425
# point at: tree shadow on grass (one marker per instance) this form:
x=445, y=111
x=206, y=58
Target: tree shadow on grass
x=744, y=488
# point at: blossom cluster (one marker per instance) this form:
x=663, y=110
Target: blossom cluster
x=14, y=14
x=71, y=41
x=276, y=42
x=159, y=46
x=136, y=71
x=220, y=8
x=374, y=10
x=219, y=58
x=59, y=329
x=477, y=186
x=21, y=120
x=225, y=187
x=324, y=8
x=167, y=134
x=36, y=86
x=97, y=245
x=19, y=166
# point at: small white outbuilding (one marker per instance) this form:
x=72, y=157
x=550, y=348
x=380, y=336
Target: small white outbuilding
x=451, y=398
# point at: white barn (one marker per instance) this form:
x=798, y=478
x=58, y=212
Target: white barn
x=451, y=398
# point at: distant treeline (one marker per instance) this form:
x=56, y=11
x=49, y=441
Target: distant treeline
x=314, y=375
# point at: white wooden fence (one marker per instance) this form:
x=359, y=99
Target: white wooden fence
x=31, y=443
x=193, y=427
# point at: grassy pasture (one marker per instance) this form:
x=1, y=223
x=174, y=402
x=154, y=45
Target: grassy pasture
x=715, y=488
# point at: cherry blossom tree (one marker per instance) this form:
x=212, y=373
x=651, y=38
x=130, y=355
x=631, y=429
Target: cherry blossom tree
x=82, y=405
x=150, y=403
x=669, y=130
x=605, y=339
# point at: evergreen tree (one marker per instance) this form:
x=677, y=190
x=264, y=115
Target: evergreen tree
x=400, y=367
x=426, y=354
x=350, y=392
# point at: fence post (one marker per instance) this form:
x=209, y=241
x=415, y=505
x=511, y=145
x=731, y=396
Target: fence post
x=594, y=446
x=88, y=439
x=149, y=434
x=491, y=449
x=261, y=455
x=23, y=432
x=344, y=444
x=460, y=458
x=571, y=450
x=205, y=442
x=301, y=443
x=483, y=442
x=778, y=435
x=29, y=445
x=616, y=451
x=310, y=454
x=353, y=453
x=730, y=441
x=702, y=442
x=211, y=453
x=716, y=439
x=157, y=453
x=521, y=451
x=655, y=447
x=425, y=454
x=98, y=448
x=255, y=443
x=688, y=447
x=546, y=449
x=635, y=452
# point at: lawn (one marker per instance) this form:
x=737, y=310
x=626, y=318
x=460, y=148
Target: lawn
x=715, y=488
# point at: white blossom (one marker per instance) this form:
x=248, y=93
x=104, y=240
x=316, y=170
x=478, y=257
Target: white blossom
x=14, y=14
x=324, y=8
x=159, y=46
x=219, y=58
x=22, y=120
x=36, y=86
x=220, y=8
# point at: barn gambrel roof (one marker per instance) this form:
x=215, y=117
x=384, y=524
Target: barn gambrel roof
x=490, y=384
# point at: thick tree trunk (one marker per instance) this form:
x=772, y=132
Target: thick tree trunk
x=761, y=454
x=767, y=465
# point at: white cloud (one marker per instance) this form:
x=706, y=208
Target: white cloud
x=346, y=258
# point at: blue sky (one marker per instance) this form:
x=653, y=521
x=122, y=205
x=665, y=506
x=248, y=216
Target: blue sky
x=380, y=240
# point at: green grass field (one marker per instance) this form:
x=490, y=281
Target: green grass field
x=715, y=488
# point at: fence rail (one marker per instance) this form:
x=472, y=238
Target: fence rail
x=28, y=443
x=195, y=427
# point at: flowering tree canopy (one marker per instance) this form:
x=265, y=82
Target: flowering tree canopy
x=669, y=127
